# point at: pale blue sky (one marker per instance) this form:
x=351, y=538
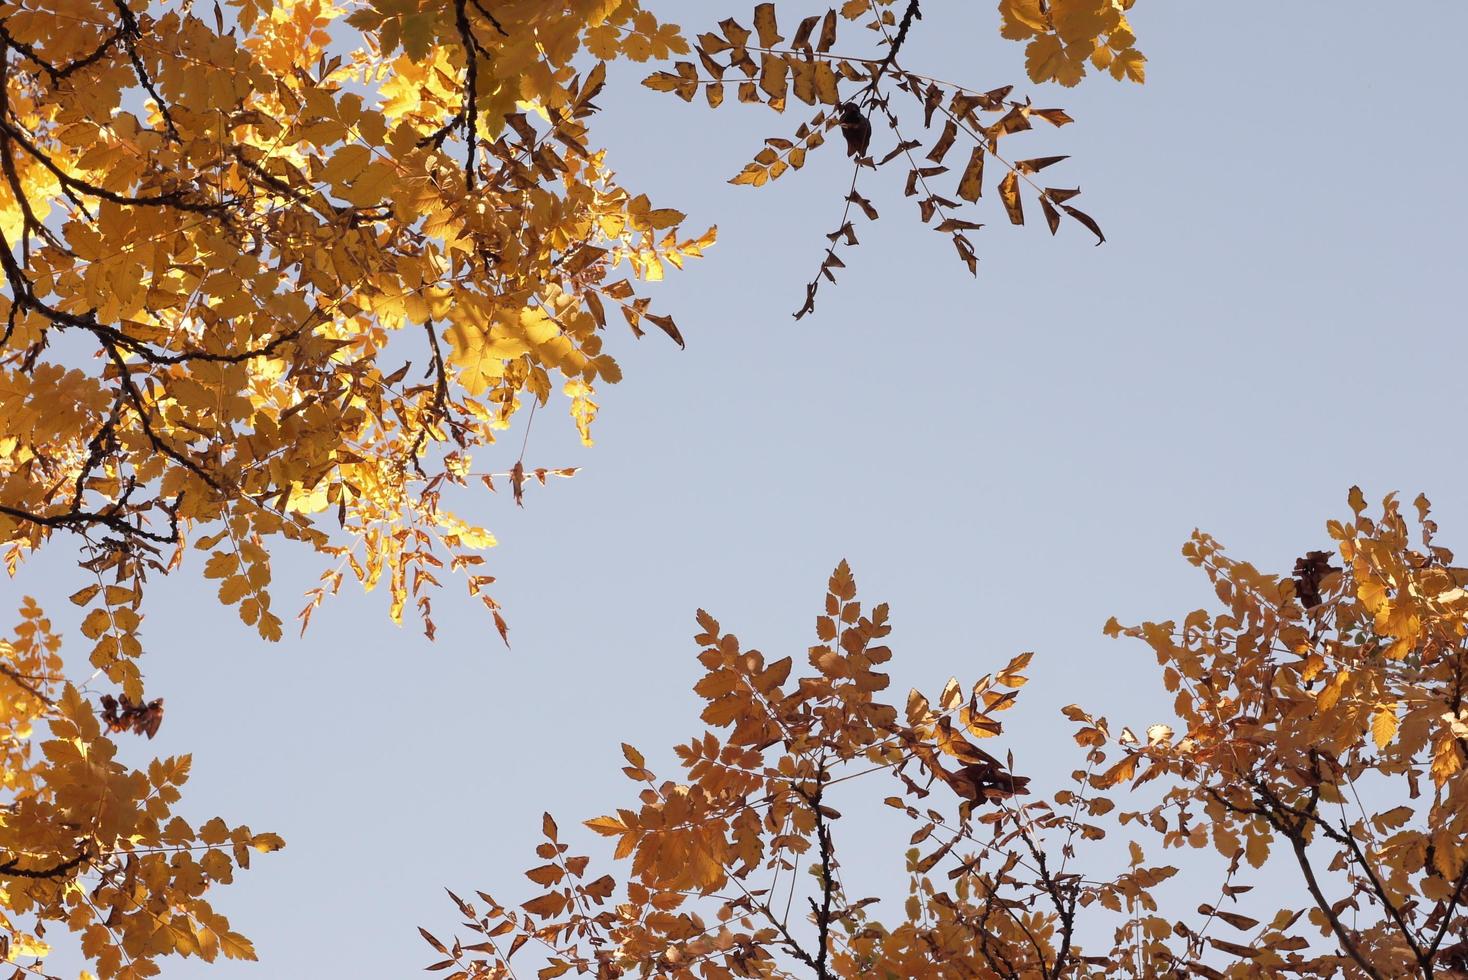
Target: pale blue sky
x=1277, y=315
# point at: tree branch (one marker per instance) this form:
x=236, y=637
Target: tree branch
x=24, y=682
x=1452, y=906
x=12, y=867
x=908, y=16
x=1294, y=833
x=823, y=837
x=1424, y=959
x=54, y=72
x=1063, y=908
x=130, y=32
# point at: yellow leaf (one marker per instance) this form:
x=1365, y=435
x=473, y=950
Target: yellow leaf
x=607, y=826
x=1010, y=676
x=1129, y=64
x=1446, y=759
x=1384, y=725
x=1047, y=60
x=545, y=906
x=1331, y=693
x=1022, y=19
x=1372, y=593
x=22, y=945
x=479, y=358
x=1082, y=21
x=546, y=874
x=233, y=589
x=97, y=622
x=84, y=596
x=236, y=947
x=1256, y=849
x=1120, y=772
x=220, y=564
x=774, y=78
x=346, y=164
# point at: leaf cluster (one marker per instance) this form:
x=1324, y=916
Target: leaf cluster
x=92, y=846
x=1319, y=721
x=847, y=92
x=278, y=277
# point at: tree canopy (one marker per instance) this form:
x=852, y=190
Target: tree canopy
x=1319, y=723
x=278, y=275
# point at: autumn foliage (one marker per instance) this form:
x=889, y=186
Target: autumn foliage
x=1318, y=735
x=277, y=277
x=93, y=845
x=280, y=276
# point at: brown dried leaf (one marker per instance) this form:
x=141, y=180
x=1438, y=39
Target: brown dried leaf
x=1009, y=194
x=971, y=184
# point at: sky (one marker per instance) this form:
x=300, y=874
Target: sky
x=1007, y=460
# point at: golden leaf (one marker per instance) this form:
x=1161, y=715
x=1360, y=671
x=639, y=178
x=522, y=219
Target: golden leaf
x=1384, y=724
x=1022, y=19
x=1047, y=59
x=1082, y=21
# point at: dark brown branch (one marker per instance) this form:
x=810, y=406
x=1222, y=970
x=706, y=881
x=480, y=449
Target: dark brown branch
x=822, y=912
x=792, y=946
x=995, y=900
x=1448, y=911
x=54, y=72
x=1424, y=959
x=173, y=199
x=130, y=33
x=985, y=939
x=1344, y=838
x=1275, y=811
x=440, y=397
x=842, y=228
x=494, y=22
x=140, y=407
x=103, y=440
x=112, y=336
x=868, y=94
x=437, y=137
x=87, y=60
x=467, y=117
x=355, y=216
x=79, y=521
x=24, y=683
x=28, y=218
x=13, y=869
x=1297, y=844
x=823, y=840
x=908, y=16
x=470, y=113
x=154, y=357
x=1064, y=908
x=269, y=179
